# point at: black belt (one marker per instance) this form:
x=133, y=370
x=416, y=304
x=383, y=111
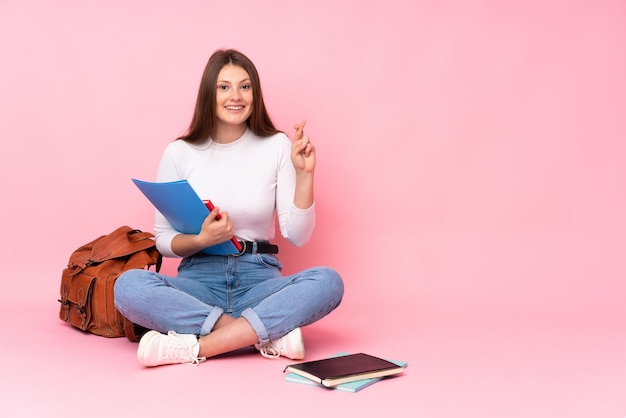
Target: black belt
x=262, y=247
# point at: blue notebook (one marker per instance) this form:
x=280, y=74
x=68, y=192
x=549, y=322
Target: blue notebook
x=183, y=208
x=351, y=387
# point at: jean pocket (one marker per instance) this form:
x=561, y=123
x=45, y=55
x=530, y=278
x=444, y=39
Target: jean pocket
x=270, y=261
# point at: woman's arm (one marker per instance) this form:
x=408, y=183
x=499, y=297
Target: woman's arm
x=303, y=159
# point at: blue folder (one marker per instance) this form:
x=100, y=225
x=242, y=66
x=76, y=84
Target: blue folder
x=183, y=208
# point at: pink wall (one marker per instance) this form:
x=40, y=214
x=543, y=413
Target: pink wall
x=471, y=153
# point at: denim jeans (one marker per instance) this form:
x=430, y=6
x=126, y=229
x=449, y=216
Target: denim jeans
x=249, y=286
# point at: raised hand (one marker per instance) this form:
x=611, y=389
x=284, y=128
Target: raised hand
x=302, y=151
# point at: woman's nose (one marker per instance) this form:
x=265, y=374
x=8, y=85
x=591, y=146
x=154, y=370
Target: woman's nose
x=235, y=94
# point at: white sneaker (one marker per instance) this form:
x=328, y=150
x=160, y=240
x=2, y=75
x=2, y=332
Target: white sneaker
x=156, y=349
x=290, y=345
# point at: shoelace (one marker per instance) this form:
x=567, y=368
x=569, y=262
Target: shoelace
x=269, y=351
x=182, y=346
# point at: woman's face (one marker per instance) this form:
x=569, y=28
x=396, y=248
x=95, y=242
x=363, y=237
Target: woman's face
x=233, y=96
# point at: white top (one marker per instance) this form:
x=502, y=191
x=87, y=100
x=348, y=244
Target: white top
x=251, y=178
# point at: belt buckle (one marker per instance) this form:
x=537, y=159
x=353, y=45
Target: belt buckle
x=243, y=248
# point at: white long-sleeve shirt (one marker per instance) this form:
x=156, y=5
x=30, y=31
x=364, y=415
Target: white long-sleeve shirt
x=251, y=178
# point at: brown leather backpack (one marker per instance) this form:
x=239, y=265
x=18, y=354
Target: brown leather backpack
x=87, y=281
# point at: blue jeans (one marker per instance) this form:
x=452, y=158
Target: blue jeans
x=249, y=286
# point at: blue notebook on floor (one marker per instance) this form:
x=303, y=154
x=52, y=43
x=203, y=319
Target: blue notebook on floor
x=351, y=387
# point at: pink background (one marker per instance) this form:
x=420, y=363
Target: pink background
x=470, y=189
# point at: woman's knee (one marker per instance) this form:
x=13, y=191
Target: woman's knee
x=126, y=284
x=332, y=281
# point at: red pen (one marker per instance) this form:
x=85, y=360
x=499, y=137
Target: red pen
x=210, y=207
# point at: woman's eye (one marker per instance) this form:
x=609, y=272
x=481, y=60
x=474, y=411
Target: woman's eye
x=222, y=87
x=246, y=87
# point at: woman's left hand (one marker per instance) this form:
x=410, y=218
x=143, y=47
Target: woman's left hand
x=302, y=151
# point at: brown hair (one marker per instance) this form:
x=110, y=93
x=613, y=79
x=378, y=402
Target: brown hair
x=204, y=117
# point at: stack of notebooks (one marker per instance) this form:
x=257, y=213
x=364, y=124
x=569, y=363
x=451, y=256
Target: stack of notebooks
x=344, y=372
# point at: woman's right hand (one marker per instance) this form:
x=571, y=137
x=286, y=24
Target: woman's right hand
x=213, y=231
x=216, y=228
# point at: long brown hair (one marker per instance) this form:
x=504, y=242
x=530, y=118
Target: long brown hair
x=204, y=117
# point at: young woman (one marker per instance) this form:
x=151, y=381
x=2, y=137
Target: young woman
x=233, y=155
